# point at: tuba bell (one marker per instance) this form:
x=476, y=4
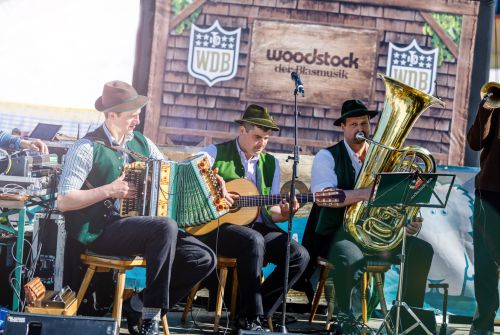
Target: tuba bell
x=492, y=90
x=381, y=229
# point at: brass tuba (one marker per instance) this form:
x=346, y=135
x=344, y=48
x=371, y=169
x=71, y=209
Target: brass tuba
x=380, y=229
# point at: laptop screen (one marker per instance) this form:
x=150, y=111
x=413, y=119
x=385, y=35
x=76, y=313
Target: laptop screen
x=45, y=131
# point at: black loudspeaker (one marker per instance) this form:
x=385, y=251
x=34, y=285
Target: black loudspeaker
x=427, y=317
x=38, y=324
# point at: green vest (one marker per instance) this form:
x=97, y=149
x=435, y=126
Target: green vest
x=331, y=219
x=86, y=224
x=228, y=161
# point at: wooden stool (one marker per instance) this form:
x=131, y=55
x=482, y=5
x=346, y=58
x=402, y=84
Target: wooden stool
x=223, y=264
x=105, y=263
x=325, y=268
x=376, y=268
x=372, y=267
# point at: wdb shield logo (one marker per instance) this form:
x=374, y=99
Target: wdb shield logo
x=213, y=53
x=413, y=66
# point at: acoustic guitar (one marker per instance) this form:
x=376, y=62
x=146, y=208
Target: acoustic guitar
x=247, y=205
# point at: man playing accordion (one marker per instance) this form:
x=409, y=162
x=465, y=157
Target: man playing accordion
x=91, y=185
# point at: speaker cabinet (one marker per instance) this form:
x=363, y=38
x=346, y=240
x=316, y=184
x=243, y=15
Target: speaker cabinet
x=38, y=324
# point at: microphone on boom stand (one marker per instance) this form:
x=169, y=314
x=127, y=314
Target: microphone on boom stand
x=299, y=87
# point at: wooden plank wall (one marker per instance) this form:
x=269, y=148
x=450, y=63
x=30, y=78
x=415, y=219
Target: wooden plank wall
x=185, y=111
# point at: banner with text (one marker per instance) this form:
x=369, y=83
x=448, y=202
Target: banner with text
x=331, y=66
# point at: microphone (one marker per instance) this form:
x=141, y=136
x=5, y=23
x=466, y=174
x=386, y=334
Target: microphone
x=360, y=136
x=298, y=83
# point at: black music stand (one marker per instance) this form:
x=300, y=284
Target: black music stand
x=406, y=190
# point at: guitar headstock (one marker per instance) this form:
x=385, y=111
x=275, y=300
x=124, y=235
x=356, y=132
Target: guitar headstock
x=329, y=197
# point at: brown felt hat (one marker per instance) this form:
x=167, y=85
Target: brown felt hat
x=118, y=96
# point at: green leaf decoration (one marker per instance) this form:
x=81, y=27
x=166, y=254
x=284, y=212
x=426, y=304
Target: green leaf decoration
x=452, y=25
x=177, y=7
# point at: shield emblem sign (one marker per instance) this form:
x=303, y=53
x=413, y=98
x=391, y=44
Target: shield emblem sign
x=413, y=66
x=213, y=53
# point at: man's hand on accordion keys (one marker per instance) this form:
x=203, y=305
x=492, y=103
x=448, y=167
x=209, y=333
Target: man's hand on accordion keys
x=121, y=189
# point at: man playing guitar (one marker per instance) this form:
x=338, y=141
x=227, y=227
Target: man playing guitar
x=261, y=240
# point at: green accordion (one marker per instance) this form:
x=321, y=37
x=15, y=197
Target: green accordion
x=185, y=191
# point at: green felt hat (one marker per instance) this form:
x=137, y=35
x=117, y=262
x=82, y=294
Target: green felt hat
x=259, y=116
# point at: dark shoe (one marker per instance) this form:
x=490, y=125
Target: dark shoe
x=256, y=326
x=133, y=317
x=253, y=325
x=149, y=327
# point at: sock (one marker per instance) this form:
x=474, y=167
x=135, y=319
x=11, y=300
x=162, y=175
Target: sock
x=149, y=313
x=136, y=303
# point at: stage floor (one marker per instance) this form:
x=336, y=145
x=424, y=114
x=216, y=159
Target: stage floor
x=203, y=324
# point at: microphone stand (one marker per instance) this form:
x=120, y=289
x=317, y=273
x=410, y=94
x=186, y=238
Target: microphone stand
x=295, y=158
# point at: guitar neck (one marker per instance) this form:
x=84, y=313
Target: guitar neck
x=269, y=200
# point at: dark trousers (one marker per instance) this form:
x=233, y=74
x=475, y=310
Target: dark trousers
x=251, y=247
x=350, y=264
x=486, y=257
x=175, y=260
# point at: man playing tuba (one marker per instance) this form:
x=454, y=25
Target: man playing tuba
x=338, y=167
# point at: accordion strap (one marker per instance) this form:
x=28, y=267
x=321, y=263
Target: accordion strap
x=116, y=147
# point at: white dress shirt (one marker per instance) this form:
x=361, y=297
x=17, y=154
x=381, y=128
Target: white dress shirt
x=323, y=169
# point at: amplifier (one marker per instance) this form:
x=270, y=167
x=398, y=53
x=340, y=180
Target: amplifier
x=33, y=166
x=31, y=186
x=43, y=324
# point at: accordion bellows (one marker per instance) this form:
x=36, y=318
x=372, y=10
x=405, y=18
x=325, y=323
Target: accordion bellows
x=185, y=191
